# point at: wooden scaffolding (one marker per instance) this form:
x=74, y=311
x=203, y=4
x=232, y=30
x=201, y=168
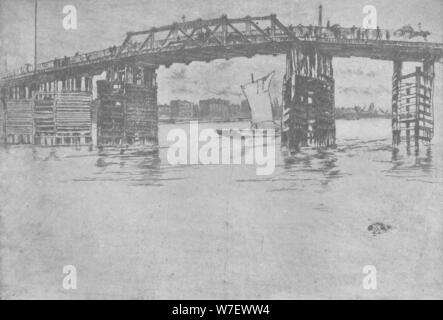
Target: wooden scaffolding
x=128, y=112
x=308, y=98
x=412, y=105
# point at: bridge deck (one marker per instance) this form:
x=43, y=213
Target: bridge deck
x=228, y=38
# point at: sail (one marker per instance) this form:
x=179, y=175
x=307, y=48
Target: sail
x=258, y=96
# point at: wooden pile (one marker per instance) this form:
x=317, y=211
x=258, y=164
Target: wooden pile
x=310, y=104
x=19, y=121
x=128, y=115
x=2, y=122
x=44, y=119
x=73, y=117
x=412, y=99
x=141, y=114
x=324, y=114
x=396, y=79
x=61, y=118
x=308, y=97
x=110, y=115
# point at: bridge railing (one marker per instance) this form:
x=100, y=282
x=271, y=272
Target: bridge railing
x=91, y=57
x=195, y=34
x=342, y=34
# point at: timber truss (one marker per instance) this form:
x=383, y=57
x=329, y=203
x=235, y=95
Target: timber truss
x=202, y=39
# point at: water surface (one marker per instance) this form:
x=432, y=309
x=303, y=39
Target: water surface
x=136, y=227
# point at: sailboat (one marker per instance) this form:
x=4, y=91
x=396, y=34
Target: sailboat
x=259, y=99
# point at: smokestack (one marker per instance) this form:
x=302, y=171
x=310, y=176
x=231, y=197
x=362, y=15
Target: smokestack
x=320, y=16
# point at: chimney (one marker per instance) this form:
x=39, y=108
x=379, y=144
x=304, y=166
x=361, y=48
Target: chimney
x=320, y=16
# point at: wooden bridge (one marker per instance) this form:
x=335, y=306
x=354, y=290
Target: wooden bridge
x=224, y=38
x=135, y=61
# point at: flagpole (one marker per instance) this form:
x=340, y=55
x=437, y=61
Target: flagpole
x=35, y=36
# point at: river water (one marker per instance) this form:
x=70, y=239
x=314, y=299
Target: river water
x=134, y=226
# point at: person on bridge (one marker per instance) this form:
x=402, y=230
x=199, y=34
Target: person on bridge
x=388, y=35
x=366, y=34
x=353, y=29
x=378, y=33
x=310, y=31
x=337, y=33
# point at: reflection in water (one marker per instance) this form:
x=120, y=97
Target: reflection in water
x=138, y=167
x=311, y=164
x=420, y=167
x=149, y=167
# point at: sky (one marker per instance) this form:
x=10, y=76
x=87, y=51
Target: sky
x=102, y=23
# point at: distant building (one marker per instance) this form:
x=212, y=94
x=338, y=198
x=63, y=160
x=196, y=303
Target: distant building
x=164, y=112
x=234, y=111
x=218, y=109
x=182, y=109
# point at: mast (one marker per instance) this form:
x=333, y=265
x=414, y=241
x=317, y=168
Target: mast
x=35, y=36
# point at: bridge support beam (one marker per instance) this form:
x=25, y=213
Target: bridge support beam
x=308, y=99
x=412, y=105
x=128, y=112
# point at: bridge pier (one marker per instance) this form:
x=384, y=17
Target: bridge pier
x=412, y=105
x=308, y=99
x=128, y=112
x=46, y=112
x=58, y=111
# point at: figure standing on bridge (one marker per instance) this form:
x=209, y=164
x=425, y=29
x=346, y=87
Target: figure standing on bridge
x=112, y=50
x=366, y=34
x=388, y=35
x=310, y=31
x=353, y=29
x=378, y=33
